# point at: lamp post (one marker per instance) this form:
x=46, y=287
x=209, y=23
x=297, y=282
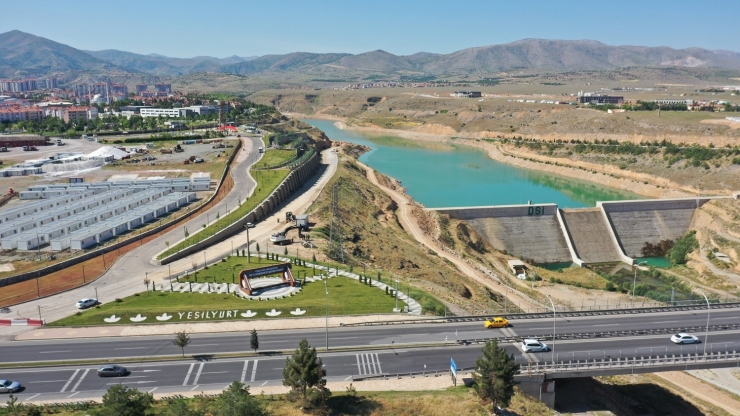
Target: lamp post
x=248, y=255
x=205, y=261
x=326, y=288
x=396, y=295
x=706, y=333
x=554, y=318
x=634, y=282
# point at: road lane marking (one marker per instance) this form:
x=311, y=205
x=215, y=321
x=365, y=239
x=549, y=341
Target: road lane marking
x=264, y=383
x=244, y=370
x=149, y=371
x=380, y=370
x=197, y=375
x=131, y=348
x=70, y=381
x=203, y=345
x=73, y=394
x=665, y=322
x=153, y=389
x=31, y=398
x=345, y=337
x=254, y=369
x=80, y=380
x=214, y=372
x=359, y=369
x=196, y=386
x=187, y=377
x=51, y=352
x=129, y=382
x=46, y=381
x=608, y=325
x=347, y=378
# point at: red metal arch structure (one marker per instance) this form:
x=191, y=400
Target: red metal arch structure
x=283, y=268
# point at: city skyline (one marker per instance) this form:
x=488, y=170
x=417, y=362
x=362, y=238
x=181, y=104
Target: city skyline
x=228, y=27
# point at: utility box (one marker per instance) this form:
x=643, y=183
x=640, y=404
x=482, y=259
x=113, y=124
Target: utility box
x=301, y=221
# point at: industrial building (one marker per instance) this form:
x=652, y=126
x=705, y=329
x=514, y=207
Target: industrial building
x=80, y=215
x=601, y=99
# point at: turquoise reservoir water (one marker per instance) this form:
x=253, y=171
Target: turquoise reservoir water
x=441, y=175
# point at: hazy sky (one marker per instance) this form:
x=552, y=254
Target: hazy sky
x=187, y=28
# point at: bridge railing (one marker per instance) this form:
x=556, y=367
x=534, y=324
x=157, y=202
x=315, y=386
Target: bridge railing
x=651, y=363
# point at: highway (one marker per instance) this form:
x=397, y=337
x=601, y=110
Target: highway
x=379, y=350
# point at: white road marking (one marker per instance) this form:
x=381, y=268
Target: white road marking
x=359, y=369
x=244, y=370
x=51, y=352
x=254, y=369
x=264, y=383
x=149, y=371
x=131, y=348
x=213, y=372
x=70, y=381
x=129, y=382
x=46, y=381
x=187, y=377
x=194, y=387
x=73, y=394
x=380, y=370
x=347, y=378
x=203, y=345
x=345, y=337
x=153, y=389
x=197, y=375
x=664, y=322
x=80, y=380
x=608, y=325
x=31, y=398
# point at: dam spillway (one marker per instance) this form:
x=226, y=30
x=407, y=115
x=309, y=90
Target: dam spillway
x=611, y=232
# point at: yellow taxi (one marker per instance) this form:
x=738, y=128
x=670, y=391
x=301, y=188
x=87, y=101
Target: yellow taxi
x=496, y=322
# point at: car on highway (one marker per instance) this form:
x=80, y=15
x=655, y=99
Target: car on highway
x=250, y=225
x=86, y=303
x=533, y=345
x=8, y=386
x=112, y=371
x=497, y=322
x=684, y=338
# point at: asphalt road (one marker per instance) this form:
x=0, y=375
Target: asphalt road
x=366, y=336
x=82, y=383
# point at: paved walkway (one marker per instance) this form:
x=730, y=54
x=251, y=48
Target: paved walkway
x=127, y=275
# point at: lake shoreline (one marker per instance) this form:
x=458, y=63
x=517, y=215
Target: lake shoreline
x=601, y=175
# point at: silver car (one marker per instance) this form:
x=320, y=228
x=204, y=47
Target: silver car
x=684, y=338
x=86, y=303
x=533, y=345
x=112, y=371
x=7, y=386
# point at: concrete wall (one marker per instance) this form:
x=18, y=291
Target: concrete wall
x=636, y=222
x=531, y=232
x=294, y=181
x=590, y=235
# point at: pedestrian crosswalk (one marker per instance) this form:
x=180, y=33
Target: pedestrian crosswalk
x=368, y=364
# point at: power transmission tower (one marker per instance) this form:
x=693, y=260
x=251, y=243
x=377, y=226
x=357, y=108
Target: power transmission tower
x=336, y=249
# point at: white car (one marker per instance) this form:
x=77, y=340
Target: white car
x=533, y=345
x=86, y=303
x=250, y=225
x=684, y=338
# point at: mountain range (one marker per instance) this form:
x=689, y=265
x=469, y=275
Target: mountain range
x=26, y=54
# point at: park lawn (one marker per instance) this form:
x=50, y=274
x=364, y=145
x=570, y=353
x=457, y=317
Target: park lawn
x=276, y=157
x=267, y=181
x=228, y=271
x=346, y=297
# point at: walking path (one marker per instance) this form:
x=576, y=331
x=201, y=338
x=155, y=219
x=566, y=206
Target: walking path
x=127, y=275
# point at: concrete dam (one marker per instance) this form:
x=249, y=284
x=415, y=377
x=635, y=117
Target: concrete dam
x=609, y=233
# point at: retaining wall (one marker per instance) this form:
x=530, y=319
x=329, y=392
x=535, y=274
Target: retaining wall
x=590, y=235
x=294, y=181
x=531, y=232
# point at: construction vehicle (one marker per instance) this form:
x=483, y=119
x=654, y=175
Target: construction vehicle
x=178, y=149
x=279, y=238
x=289, y=216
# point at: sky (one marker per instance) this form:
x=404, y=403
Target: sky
x=187, y=28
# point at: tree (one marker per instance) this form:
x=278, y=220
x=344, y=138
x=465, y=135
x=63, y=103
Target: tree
x=123, y=401
x=494, y=375
x=179, y=407
x=254, y=341
x=182, y=340
x=304, y=373
x=236, y=401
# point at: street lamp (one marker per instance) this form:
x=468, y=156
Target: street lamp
x=706, y=333
x=396, y=295
x=554, y=318
x=634, y=282
x=326, y=288
x=248, y=255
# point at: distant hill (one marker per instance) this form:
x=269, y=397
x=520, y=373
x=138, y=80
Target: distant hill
x=24, y=54
x=162, y=65
x=527, y=54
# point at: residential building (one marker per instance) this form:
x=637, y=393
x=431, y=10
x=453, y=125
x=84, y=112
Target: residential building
x=119, y=89
x=601, y=99
x=165, y=112
x=163, y=88
x=18, y=113
x=140, y=88
x=78, y=113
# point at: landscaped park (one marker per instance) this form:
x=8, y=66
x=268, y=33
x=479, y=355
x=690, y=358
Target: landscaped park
x=212, y=294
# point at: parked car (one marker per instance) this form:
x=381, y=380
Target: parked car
x=111, y=370
x=198, y=160
x=533, y=345
x=86, y=303
x=3, y=149
x=26, y=148
x=497, y=322
x=684, y=338
x=8, y=386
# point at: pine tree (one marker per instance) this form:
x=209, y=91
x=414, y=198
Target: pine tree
x=304, y=373
x=254, y=341
x=494, y=377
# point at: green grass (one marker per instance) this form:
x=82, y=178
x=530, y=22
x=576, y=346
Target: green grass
x=267, y=181
x=228, y=271
x=346, y=297
x=275, y=158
